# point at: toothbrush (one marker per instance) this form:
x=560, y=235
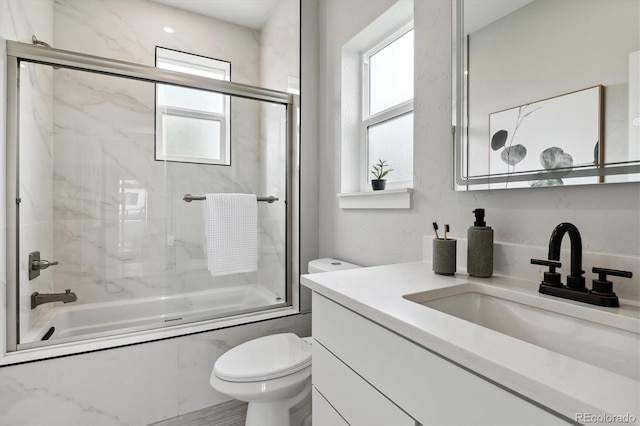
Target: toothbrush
x=446, y=229
x=435, y=230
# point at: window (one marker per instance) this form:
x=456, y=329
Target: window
x=387, y=119
x=192, y=125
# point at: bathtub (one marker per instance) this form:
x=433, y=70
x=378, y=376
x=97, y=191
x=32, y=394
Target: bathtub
x=94, y=320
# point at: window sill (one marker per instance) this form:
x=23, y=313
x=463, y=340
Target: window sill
x=387, y=199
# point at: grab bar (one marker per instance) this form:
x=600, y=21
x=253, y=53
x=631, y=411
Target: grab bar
x=189, y=198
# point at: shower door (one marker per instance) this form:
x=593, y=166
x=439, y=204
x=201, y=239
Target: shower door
x=125, y=251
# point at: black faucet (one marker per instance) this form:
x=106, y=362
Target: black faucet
x=575, y=281
x=602, y=293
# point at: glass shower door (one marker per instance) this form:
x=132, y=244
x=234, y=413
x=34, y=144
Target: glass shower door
x=112, y=220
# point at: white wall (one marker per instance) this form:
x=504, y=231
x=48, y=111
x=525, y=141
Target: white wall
x=607, y=216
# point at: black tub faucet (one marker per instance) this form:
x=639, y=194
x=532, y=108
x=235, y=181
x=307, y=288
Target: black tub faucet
x=39, y=299
x=575, y=280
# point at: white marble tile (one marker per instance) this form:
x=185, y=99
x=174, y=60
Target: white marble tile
x=278, y=41
x=34, y=237
x=22, y=19
x=137, y=384
x=104, y=136
x=36, y=148
x=133, y=385
x=19, y=21
x=280, y=44
x=130, y=29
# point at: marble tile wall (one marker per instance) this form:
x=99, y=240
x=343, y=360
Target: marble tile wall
x=104, y=138
x=134, y=385
x=19, y=21
x=155, y=246
x=139, y=384
x=279, y=62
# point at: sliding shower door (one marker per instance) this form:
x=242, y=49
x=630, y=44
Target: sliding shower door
x=101, y=221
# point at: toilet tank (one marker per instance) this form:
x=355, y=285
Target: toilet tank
x=327, y=265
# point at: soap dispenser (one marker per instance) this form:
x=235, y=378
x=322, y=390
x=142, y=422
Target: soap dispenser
x=480, y=247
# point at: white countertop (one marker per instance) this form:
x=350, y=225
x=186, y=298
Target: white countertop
x=553, y=380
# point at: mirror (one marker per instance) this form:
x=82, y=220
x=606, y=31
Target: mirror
x=546, y=93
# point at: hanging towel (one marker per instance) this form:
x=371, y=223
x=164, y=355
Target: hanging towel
x=231, y=228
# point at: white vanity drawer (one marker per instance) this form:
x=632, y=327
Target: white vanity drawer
x=429, y=388
x=323, y=413
x=355, y=399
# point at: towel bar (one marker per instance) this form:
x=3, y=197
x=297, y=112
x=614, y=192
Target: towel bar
x=189, y=198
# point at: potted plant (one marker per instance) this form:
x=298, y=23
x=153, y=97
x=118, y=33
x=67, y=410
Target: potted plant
x=378, y=171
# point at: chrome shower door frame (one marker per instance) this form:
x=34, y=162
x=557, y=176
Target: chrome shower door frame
x=18, y=52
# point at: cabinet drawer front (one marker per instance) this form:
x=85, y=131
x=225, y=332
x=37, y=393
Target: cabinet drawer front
x=429, y=388
x=355, y=399
x=323, y=413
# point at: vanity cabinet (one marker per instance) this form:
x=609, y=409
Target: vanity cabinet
x=367, y=374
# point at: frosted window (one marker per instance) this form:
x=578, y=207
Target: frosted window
x=190, y=137
x=392, y=140
x=190, y=99
x=192, y=125
x=391, y=74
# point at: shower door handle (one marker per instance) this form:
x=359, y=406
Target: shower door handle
x=42, y=264
x=36, y=264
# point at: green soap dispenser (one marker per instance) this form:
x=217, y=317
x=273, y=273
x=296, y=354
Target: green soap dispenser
x=480, y=247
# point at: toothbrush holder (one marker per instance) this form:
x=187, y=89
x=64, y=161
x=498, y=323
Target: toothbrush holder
x=444, y=256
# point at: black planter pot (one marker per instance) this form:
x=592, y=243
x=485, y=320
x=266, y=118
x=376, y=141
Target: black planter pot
x=378, y=184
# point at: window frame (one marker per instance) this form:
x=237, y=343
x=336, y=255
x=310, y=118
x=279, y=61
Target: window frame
x=224, y=119
x=380, y=116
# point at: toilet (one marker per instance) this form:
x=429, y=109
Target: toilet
x=272, y=373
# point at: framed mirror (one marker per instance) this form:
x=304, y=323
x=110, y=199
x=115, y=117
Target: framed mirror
x=546, y=93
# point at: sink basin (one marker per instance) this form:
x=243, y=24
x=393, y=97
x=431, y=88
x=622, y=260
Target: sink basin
x=606, y=339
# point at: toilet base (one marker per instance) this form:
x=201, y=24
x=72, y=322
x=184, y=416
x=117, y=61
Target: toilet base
x=279, y=413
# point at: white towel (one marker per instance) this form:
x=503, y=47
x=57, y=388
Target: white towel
x=231, y=228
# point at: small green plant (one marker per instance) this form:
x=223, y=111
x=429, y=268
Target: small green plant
x=378, y=169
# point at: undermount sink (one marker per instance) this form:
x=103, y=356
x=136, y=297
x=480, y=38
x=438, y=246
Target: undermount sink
x=606, y=339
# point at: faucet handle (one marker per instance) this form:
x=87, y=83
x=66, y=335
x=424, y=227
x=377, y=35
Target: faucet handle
x=551, y=278
x=604, y=286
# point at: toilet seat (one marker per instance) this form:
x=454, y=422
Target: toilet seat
x=265, y=358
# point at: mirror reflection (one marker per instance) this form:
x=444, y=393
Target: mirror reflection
x=547, y=93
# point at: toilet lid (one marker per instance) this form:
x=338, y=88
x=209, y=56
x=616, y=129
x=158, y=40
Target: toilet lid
x=264, y=358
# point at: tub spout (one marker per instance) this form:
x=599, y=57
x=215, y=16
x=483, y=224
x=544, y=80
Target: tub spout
x=39, y=299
